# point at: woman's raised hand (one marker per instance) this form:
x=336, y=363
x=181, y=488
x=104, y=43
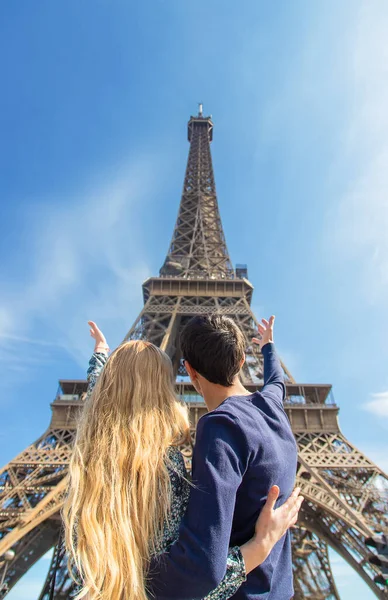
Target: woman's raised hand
x=100, y=341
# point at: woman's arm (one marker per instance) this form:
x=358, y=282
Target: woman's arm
x=271, y=525
x=99, y=357
x=235, y=575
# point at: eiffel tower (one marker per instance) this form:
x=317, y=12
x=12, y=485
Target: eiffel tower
x=345, y=492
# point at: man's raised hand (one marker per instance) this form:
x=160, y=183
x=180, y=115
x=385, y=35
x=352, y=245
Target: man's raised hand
x=100, y=341
x=265, y=332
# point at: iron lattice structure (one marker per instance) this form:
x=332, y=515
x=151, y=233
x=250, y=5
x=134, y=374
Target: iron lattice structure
x=345, y=492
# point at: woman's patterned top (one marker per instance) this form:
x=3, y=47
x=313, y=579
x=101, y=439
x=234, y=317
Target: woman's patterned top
x=180, y=490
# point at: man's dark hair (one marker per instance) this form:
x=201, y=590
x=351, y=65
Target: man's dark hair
x=214, y=346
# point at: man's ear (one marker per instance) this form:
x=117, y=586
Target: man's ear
x=242, y=361
x=191, y=372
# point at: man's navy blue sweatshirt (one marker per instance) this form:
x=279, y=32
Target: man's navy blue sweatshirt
x=243, y=447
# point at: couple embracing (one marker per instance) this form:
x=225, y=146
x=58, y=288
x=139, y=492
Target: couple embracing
x=136, y=527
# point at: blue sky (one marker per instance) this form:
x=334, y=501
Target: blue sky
x=94, y=104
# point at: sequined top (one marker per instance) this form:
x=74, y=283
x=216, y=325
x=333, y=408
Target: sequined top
x=180, y=490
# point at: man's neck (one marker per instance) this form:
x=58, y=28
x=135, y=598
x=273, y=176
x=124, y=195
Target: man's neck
x=215, y=394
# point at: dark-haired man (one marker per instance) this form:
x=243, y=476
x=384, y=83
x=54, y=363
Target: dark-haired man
x=244, y=445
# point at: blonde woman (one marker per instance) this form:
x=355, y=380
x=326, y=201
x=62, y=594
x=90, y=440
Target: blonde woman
x=128, y=488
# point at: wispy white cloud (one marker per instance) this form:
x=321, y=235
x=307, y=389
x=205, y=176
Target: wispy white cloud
x=357, y=224
x=378, y=405
x=20, y=361
x=6, y=321
x=6, y=337
x=332, y=98
x=86, y=260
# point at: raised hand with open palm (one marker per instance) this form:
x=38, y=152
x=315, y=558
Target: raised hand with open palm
x=100, y=341
x=265, y=332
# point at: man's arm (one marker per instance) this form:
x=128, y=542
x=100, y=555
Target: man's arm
x=196, y=563
x=274, y=387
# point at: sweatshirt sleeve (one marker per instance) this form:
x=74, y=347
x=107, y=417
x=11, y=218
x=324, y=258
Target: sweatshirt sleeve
x=274, y=387
x=197, y=562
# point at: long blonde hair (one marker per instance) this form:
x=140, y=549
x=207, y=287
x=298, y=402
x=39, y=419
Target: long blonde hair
x=119, y=486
